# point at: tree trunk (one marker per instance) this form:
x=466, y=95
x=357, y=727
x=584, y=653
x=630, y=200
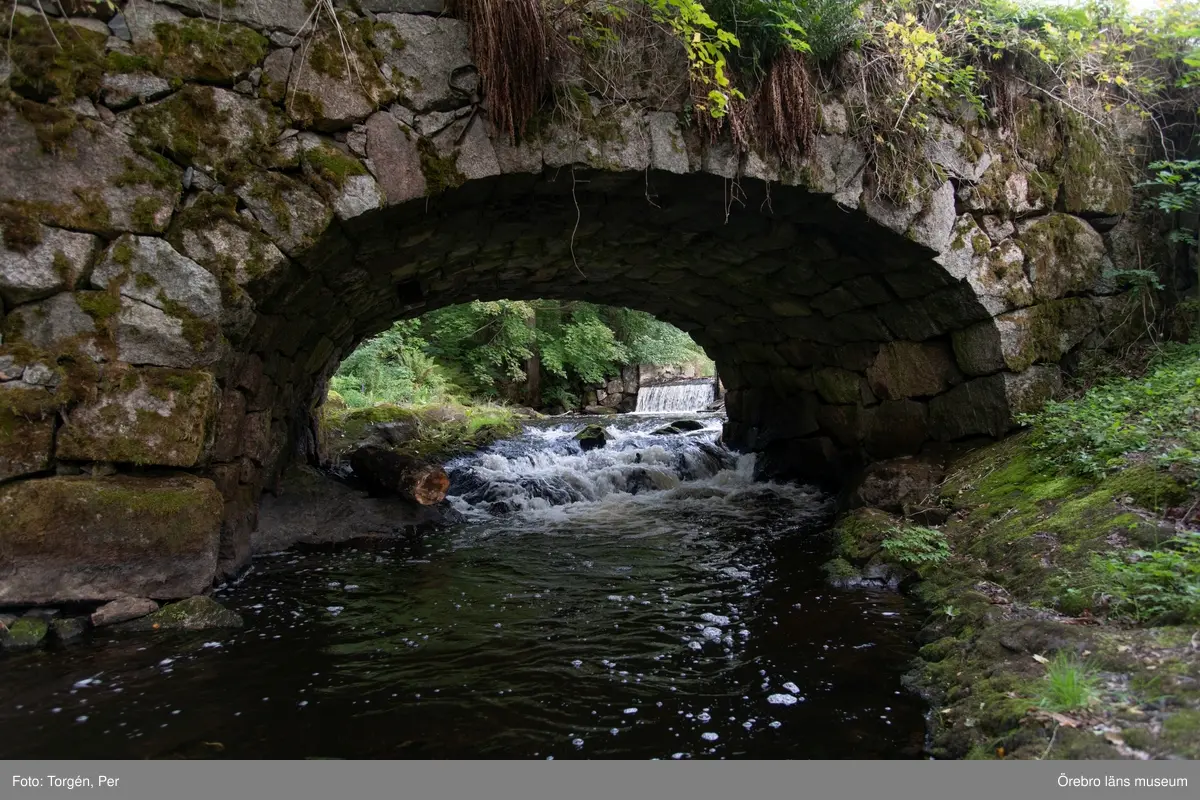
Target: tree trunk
x=533, y=369
x=388, y=473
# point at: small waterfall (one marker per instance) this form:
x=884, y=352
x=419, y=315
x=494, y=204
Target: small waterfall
x=671, y=397
x=546, y=468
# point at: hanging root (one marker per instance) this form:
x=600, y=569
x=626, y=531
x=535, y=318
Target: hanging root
x=509, y=43
x=787, y=113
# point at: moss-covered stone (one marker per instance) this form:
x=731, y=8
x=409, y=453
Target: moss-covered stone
x=20, y=232
x=52, y=59
x=88, y=539
x=142, y=416
x=26, y=633
x=26, y=441
x=1095, y=180
x=441, y=171
x=212, y=52
x=193, y=614
x=224, y=134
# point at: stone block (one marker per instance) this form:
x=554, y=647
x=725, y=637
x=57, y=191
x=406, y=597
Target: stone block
x=83, y=539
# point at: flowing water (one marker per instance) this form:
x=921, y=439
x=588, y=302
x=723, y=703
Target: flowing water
x=647, y=599
x=675, y=397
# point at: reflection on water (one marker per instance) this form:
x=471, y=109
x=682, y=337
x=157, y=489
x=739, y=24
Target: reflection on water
x=684, y=619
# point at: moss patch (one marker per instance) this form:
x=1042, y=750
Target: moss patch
x=436, y=432
x=21, y=232
x=441, y=172
x=144, y=416
x=1023, y=536
x=192, y=128
x=108, y=521
x=195, y=49
x=53, y=59
x=193, y=614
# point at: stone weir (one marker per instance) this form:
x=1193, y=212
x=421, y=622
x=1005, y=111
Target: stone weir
x=206, y=205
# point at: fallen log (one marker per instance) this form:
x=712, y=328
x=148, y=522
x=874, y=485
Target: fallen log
x=388, y=473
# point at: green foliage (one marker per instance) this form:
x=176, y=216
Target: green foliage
x=484, y=350
x=1152, y=586
x=916, y=546
x=392, y=367
x=1156, y=417
x=706, y=45
x=1069, y=684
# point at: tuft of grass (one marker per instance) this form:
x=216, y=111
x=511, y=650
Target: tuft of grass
x=1069, y=684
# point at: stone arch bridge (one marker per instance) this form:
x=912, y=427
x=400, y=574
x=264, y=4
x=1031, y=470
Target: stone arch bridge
x=205, y=215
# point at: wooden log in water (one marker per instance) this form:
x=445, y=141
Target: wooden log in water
x=389, y=473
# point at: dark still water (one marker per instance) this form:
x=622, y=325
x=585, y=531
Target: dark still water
x=642, y=600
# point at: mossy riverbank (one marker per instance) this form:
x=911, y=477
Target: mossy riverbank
x=436, y=432
x=1063, y=604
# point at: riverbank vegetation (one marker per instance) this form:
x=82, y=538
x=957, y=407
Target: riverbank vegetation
x=539, y=353
x=1063, y=587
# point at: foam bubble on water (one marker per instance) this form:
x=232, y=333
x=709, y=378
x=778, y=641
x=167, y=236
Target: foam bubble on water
x=335, y=610
x=781, y=700
x=791, y=687
x=715, y=619
x=81, y=718
x=614, y=731
x=92, y=681
x=577, y=663
x=577, y=742
x=695, y=645
x=712, y=634
x=210, y=645
x=631, y=711
x=677, y=756
x=704, y=716
x=776, y=724
x=709, y=736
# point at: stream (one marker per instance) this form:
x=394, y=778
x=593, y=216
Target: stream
x=644, y=599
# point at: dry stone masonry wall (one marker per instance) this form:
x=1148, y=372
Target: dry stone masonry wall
x=205, y=205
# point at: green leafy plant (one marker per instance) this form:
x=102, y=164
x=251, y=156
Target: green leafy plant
x=1069, y=684
x=1156, y=416
x=1153, y=586
x=917, y=546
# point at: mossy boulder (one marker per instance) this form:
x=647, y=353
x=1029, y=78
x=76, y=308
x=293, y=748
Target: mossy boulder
x=290, y=212
x=995, y=268
x=200, y=50
x=92, y=180
x=67, y=539
x=219, y=132
x=26, y=441
x=144, y=416
x=335, y=80
x=192, y=614
x=60, y=260
x=1064, y=255
x=26, y=633
x=1095, y=177
x=66, y=629
x=593, y=437
x=1019, y=339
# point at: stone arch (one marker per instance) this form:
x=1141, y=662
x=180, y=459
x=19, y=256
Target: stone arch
x=182, y=271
